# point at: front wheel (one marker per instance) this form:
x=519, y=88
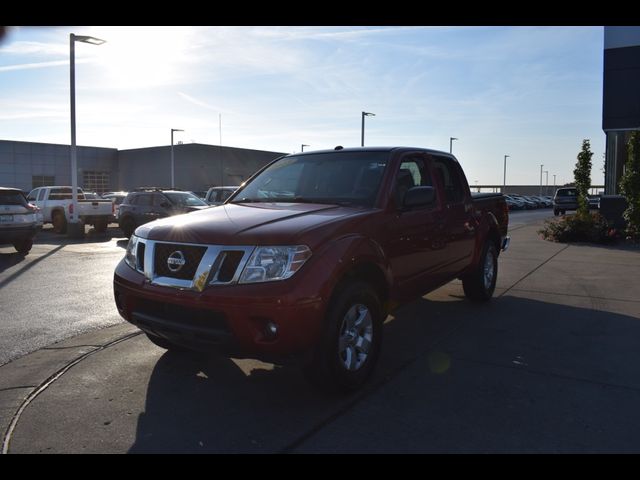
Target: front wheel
x=23, y=246
x=164, y=343
x=59, y=222
x=350, y=346
x=480, y=284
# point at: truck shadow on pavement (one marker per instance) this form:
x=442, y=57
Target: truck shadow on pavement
x=512, y=375
x=48, y=237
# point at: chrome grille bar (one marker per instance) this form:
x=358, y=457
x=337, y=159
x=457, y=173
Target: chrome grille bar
x=208, y=269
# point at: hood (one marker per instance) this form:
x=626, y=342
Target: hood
x=251, y=224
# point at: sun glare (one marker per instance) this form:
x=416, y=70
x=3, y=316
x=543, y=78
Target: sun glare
x=143, y=56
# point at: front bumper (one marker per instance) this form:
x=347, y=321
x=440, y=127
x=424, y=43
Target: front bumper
x=235, y=320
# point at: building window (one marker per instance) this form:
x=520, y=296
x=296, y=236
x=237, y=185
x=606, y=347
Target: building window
x=96, y=182
x=42, y=181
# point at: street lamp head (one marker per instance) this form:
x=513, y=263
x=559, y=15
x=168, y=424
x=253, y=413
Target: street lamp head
x=453, y=138
x=86, y=39
x=177, y=130
x=368, y=114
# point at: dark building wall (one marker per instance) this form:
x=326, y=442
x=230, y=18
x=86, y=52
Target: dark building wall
x=621, y=98
x=196, y=166
x=20, y=162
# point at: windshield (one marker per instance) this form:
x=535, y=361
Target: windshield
x=334, y=178
x=567, y=192
x=185, y=199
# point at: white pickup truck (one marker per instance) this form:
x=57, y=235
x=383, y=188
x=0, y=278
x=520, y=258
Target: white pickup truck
x=56, y=206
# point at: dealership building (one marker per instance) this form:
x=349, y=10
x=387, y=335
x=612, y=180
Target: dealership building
x=621, y=99
x=27, y=165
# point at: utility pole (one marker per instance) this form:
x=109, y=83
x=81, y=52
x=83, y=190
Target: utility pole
x=541, y=179
x=504, y=178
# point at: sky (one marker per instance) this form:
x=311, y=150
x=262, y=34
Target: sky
x=533, y=93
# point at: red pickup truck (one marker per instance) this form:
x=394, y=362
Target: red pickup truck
x=305, y=260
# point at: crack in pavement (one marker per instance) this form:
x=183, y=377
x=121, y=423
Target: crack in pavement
x=48, y=382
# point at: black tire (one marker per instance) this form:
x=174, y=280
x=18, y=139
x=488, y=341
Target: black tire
x=24, y=246
x=100, y=225
x=480, y=284
x=59, y=222
x=350, y=346
x=127, y=226
x=164, y=343
x=556, y=212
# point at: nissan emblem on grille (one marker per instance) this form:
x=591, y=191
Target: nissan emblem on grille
x=176, y=261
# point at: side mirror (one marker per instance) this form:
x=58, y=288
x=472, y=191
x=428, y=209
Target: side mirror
x=419, y=197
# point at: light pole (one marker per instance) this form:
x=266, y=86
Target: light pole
x=172, y=167
x=541, y=179
x=504, y=176
x=365, y=114
x=451, y=139
x=304, y=145
x=546, y=185
x=554, y=184
x=75, y=228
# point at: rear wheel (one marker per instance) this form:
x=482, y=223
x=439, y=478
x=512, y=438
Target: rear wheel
x=59, y=222
x=480, y=284
x=23, y=246
x=345, y=357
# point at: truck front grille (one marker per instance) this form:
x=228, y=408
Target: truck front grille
x=191, y=266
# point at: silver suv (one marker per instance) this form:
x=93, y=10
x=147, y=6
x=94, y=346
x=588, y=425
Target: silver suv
x=19, y=220
x=565, y=199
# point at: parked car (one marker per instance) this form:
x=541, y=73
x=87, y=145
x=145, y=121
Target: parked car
x=19, y=220
x=56, y=205
x=514, y=203
x=145, y=206
x=200, y=194
x=304, y=262
x=218, y=195
x=116, y=198
x=566, y=198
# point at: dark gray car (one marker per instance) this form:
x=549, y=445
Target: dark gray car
x=141, y=207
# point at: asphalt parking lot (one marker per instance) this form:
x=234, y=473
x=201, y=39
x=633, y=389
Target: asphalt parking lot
x=551, y=364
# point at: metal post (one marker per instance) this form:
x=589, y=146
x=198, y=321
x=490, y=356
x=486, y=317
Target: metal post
x=546, y=185
x=504, y=177
x=364, y=114
x=172, y=164
x=541, y=179
x=74, y=161
x=451, y=139
x=172, y=170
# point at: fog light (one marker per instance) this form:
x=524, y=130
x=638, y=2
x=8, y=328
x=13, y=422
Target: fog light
x=271, y=330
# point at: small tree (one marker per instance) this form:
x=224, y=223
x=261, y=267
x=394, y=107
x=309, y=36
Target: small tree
x=582, y=175
x=630, y=186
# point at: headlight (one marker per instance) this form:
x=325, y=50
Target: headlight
x=132, y=250
x=274, y=263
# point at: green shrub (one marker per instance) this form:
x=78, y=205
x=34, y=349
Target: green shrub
x=630, y=187
x=592, y=228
